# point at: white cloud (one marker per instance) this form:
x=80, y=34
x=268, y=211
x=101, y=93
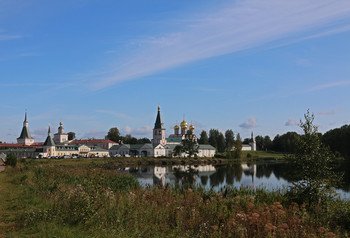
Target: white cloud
x=143, y=131
x=93, y=134
x=250, y=123
x=237, y=26
x=40, y=134
x=291, y=122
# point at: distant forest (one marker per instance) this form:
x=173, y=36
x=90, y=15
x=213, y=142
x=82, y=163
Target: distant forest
x=338, y=140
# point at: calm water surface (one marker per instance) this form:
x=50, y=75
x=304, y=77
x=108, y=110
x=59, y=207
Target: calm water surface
x=271, y=175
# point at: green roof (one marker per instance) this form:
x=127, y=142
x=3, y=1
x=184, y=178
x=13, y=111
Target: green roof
x=173, y=139
x=49, y=141
x=206, y=147
x=25, y=134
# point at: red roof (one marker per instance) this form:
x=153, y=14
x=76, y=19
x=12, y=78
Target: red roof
x=15, y=145
x=92, y=141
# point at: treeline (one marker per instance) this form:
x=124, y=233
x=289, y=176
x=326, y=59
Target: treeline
x=222, y=142
x=114, y=135
x=338, y=140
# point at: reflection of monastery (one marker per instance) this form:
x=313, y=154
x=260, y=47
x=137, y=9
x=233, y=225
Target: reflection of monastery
x=180, y=174
x=162, y=146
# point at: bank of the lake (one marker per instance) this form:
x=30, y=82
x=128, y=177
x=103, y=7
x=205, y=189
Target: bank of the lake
x=88, y=198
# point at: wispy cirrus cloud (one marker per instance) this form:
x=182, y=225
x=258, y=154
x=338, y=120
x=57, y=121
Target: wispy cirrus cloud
x=236, y=26
x=328, y=85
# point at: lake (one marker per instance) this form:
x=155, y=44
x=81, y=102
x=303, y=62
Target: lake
x=271, y=175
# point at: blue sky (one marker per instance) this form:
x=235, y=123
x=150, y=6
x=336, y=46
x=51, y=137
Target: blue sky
x=246, y=65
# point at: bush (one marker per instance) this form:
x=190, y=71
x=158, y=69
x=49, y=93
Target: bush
x=11, y=160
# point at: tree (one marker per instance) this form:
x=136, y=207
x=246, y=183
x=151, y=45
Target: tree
x=267, y=143
x=71, y=135
x=229, y=139
x=221, y=143
x=113, y=134
x=11, y=160
x=129, y=139
x=143, y=141
x=204, y=140
x=190, y=147
x=314, y=166
x=259, y=143
x=213, y=137
x=178, y=150
x=238, y=147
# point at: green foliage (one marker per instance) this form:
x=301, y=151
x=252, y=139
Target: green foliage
x=338, y=140
x=189, y=147
x=229, y=139
x=238, y=147
x=113, y=134
x=11, y=160
x=76, y=200
x=313, y=165
x=221, y=143
x=286, y=143
x=71, y=135
x=213, y=135
x=204, y=140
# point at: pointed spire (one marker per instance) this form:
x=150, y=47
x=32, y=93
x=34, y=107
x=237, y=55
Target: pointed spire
x=159, y=123
x=49, y=141
x=25, y=117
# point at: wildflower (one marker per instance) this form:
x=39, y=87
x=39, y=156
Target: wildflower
x=330, y=235
x=321, y=230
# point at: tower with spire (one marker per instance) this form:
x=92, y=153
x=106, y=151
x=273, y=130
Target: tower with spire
x=252, y=142
x=159, y=131
x=25, y=137
x=49, y=145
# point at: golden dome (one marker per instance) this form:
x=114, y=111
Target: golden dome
x=191, y=127
x=176, y=127
x=183, y=124
x=61, y=123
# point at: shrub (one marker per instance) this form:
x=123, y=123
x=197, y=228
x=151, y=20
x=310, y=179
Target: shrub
x=11, y=160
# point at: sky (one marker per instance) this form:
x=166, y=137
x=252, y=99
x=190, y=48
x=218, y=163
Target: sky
x=245, y=65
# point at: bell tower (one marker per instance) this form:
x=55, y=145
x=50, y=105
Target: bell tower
x=159, y=130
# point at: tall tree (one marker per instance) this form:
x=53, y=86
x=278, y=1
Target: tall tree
x=71, y=135
x=238, y=147
x=259, y=143
x=204, y=140
x=314, y=165
x=267, y=143
x=189, y=147
x=113, y=134
x=229, y=139
x=221, y=143
x=213, y=137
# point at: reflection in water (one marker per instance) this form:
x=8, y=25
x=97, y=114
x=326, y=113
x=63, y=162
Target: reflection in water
x=270, y=175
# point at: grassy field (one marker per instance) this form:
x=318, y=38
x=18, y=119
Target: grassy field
x=87, y=198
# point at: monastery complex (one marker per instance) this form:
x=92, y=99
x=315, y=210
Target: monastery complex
x=60, y=147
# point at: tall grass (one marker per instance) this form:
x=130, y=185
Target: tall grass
x=75, y=200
